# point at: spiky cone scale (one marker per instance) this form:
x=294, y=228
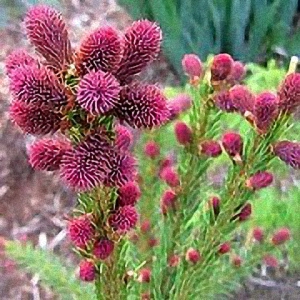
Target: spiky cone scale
x=141, y=46
x=289, y=93
x=289, y=152
x=46, y=154
x=100, y=50
x=18, y=58
x=265, y=111
x=98, y=92
x=142, y=106
x=47, y=31
x=37, y=85
x=34, y=119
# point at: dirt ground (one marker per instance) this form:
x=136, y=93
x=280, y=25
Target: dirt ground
x=33, y=205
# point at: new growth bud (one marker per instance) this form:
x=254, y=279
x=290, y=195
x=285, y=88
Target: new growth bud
x=192, y=66
x=192, y=255
x=183, y=133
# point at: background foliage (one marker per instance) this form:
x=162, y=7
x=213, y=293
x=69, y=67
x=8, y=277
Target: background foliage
x=249, y=30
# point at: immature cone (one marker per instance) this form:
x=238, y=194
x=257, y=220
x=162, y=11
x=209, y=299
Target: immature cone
x=221, y=67
x=210, y=148
x=170, y=176
x=192, y=66
x=258, y=234
x=37, y=85
x=281, y=236
x=87, y=270
x=81, y=230
x=46, y=154
x=145, y=226
x=245, y=213
x=224, y=248
x=129, y=194
x=238, y=72
x=120, y=168
x=167, y=201
x=179, y=104
x=237, y=261
x=270, y=261
x=265, y=111
x=153, y=242
x=223, y=101
x=141, y=46
x=98, y=92
x=259, y=180
x=215, y=204
x=183, y=133
x=233, y=145
x=142, y=106
x=151, y=149
x=289, y=152
x=242, y=99
x=18, y=58
x=103, y=248
x=174, y=260
x=34, y=119
x=144, y=275
x=124, y=219
x=85, y=166
x=289, y=93
x=166, y=162
x=192, y=255
x=47, y=31
x=123, y=139
x=100, y=50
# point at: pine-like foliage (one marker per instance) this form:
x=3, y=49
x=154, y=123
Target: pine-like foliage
x=51, y=270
